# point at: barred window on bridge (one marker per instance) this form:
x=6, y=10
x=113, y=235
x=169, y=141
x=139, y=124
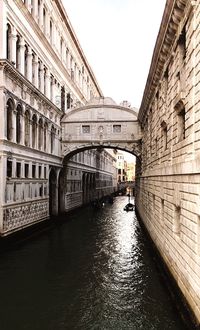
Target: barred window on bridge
x=86, y=129
x=116, y=128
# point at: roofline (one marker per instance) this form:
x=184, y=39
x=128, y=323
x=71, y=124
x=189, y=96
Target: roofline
x=76, y=41
x=171, y=18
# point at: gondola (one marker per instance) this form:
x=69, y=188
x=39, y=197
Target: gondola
x=129, y=207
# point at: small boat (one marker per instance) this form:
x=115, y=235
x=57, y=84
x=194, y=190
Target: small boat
x=129, y=207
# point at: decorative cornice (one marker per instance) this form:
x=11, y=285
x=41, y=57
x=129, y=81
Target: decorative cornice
x=76, y=42
x=173, y=14
x=51, y=50
x=8, y=67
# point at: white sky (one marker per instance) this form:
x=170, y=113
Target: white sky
x=118, y=38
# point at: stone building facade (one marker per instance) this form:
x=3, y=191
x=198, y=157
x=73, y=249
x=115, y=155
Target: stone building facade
x=121, y=168
x=168, y=182
x=43, y=73
x=94, y=179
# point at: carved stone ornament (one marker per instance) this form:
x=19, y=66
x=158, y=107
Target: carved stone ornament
x=101, y=129
x=32, y=100
x=14, y=86
x=23, y=94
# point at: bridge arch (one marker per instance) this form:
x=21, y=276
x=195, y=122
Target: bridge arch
x=101, y=124
x=134, y=149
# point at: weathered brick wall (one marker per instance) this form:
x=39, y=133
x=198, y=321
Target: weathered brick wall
x=168, y=198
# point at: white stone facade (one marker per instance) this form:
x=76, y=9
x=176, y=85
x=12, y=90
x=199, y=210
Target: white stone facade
x=89, y=175
x=43, y=74
x=168, y=183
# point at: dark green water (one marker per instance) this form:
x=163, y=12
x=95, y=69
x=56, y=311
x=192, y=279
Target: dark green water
x=94, y=271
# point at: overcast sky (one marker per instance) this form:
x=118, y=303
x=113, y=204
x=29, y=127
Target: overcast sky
x=118, y=38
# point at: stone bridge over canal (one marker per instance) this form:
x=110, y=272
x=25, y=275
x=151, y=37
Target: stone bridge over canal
x=101, y=123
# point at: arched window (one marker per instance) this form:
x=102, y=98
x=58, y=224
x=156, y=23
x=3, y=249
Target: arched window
x=40, y=135
x=164, y=135
x=34, y=130
x=45, y=136
x=39, y=80
x=33, y=68
x=181, y=114
x=18, y=123
x=26, y=61
x=44, y=20
x=52, y=139
x=8, y=42
x=32, y=4
x=61, y=48
x=45, y=80
x=10, y=108
x=39, y=5
x=51, y=32
x=51, y=88
x=27, y=128
x=18, y=53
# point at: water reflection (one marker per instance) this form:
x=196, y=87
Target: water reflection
x=92, y=272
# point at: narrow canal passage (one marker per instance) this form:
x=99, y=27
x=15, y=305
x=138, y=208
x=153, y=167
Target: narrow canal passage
x=94, y=271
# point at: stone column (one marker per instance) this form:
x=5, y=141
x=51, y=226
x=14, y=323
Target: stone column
x=28, y=5
x=35, y=10
x=30, y=133
x=47, y=24
x=3, y=28
x=81, y=81
x=36, y=136
x=41, y=21
x=3, y=109
x=67, y=59
x=42, y=77
x=53, y=35
x=53, y=90
x=22, y=133
x=35, y=68
x=13, y=45
x=14, y=125
x=29, y=64
x=47, y=81
x=21, y=55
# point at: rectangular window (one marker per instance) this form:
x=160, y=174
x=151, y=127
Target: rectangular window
x=164, y=138
x=26, y=170
x=45, y=172
x=198, y=236
x=85, y=129
x=18, y=170
x=182, y=45
x=154, y=203
x=9, y=168
x=41, y=190
x=33, y=171
x=177, y=216
x=116, y=128
x=162, y=212
x=181, y=125
x=40, y=171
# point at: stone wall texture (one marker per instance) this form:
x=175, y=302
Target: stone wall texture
x=168, y=181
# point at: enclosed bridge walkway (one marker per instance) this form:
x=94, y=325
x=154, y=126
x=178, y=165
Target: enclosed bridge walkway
x=101, y=123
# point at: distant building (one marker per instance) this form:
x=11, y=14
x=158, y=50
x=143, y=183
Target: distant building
x=121, y=168
x=130, y=171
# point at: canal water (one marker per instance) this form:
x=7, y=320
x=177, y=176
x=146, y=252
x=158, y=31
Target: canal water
x=94, y=271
